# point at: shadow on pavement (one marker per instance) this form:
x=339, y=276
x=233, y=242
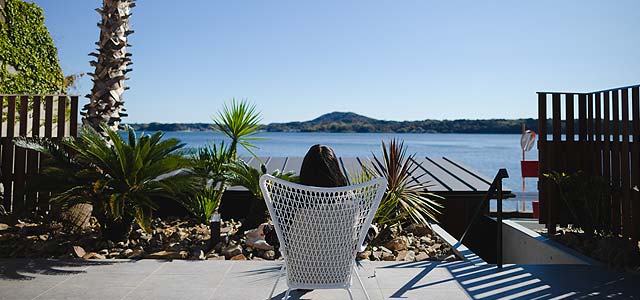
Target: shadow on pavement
x=26, y=269
x=526, y=281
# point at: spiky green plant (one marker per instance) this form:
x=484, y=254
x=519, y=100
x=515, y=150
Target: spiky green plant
x=123, y=176
x=241, y=174
x=239, y=121
x=404, y=199
x=209, y=166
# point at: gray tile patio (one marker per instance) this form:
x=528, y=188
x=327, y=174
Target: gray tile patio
x=151, y=279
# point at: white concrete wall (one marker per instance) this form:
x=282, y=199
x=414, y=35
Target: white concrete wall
x=524, y=246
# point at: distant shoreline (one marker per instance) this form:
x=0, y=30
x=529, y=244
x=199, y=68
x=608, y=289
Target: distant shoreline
x=348, y=122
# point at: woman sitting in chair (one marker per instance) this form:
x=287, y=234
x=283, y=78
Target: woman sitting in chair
x=321, y=168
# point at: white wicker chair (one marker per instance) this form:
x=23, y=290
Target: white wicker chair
x=320, y=230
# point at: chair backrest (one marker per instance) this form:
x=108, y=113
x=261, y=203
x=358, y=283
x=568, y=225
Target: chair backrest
x=320, y=229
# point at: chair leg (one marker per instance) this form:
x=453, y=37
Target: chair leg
x=355, y=270
x=350, y=295
x=276, y=284
x=286, y=295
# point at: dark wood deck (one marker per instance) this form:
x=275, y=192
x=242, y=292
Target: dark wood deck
x=440, y=175
x=462, y=187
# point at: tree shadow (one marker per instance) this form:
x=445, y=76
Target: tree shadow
x=28, y=269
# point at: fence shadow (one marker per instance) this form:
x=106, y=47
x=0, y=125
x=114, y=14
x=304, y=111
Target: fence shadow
x=523, y=281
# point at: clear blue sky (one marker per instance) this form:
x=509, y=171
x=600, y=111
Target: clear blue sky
x=395, y=60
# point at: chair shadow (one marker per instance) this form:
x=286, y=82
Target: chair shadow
x=522, y=282
x=20, y=269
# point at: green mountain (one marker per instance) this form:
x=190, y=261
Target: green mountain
x=352, y=122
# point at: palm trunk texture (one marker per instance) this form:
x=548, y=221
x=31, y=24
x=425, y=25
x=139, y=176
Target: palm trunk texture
x=111, y=61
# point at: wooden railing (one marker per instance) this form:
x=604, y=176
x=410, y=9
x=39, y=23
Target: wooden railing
x=52, y=116
x=597, y=133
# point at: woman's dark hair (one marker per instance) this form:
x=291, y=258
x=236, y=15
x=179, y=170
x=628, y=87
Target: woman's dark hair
x=320, y=167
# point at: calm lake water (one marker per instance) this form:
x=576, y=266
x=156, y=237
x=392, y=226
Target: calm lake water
x=485, y=153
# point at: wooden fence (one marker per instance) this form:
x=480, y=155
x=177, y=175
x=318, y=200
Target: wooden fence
x=597, y=133
x=51, y=116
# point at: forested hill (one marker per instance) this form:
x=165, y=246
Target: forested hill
x=352, y=122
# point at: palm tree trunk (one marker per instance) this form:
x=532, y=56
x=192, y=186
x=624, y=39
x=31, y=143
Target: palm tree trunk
x=106, y=104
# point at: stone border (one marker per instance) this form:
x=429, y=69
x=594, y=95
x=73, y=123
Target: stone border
x=524, y=246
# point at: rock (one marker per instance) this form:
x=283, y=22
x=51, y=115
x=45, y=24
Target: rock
x=388, y=256
x=215, y=258
x=4, y=227
x=43, y=237
x=178, y=236
x=231, y=251
x=377, y=255
x=103, y=252
x=157, y=241
x=126, y=253
x=422, y=256
x=183, y=254
x=166, y=255
x=401, y=255
x=197, y=254
x=211, y=254
x=113, y=254
x=258, y=243
x=418, y=229
x=410, y=256
x=397, y=244
x=79, y=251
x=451, y=257
x=269, y=255
x=7, y=237
x=383, y=249
x=93, y=255
x=239, y=257
x=364, y=255
x=137, y=253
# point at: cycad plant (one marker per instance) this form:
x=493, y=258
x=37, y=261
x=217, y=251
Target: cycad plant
x=405, y=199
x=120, y=178
x=111, y=66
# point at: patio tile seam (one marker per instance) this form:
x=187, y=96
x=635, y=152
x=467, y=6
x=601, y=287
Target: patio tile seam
x=59, y=283
x=143, y=280
x=215, y=290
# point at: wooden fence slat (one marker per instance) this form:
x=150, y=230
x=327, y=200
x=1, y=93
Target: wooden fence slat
x=615, y=157
x=555, y=159
x=542, y=159
x=625, y=173
x=635, y=164
x=7, y=152
x=33, y=157
x=20, y=156
x=48, y=116
x=62, y=110
x=597, y=157
x=73, y=117
x=570, y=161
